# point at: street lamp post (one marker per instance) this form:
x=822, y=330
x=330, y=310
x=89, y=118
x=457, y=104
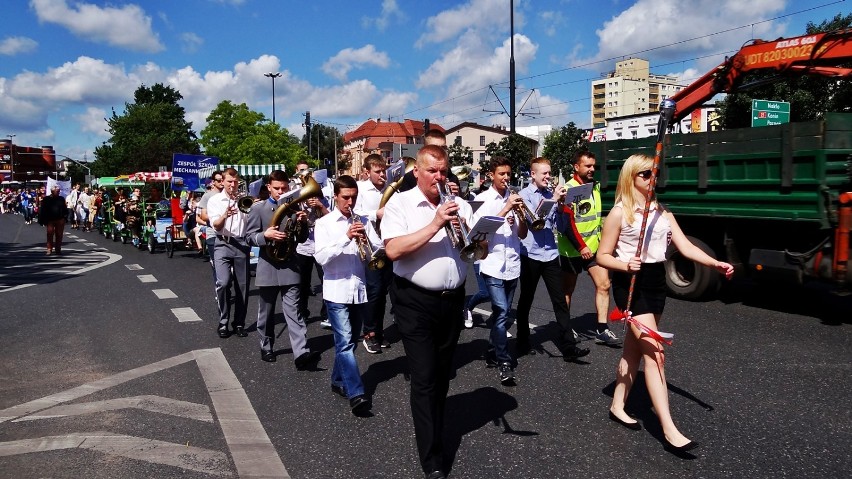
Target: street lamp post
x=273, y=76
x=11, y=137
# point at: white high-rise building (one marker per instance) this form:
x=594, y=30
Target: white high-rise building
x=629, y=90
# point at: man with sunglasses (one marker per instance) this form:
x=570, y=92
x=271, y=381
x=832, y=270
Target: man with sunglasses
x=216, y=186
x=580, y=235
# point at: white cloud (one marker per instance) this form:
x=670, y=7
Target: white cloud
x=93, y=121
x=85, y=80
x=14, y=45
x=551, y=21
x=390, y=11
x=345, y=60
x=190, y=42
x=126, y=27
x=678, y=20
x=485, y=17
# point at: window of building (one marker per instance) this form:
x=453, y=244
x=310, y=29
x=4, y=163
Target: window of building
x=482, y=158
x=481, y=140
x=458, y=140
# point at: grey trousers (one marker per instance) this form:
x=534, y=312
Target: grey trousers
x=231, y=266
x=296, y=327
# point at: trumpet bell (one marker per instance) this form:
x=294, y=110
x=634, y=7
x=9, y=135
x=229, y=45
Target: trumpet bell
x=244, y=203
x=538, y=224
x=474, y=251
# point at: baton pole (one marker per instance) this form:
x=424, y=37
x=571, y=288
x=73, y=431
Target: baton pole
x=667, y=110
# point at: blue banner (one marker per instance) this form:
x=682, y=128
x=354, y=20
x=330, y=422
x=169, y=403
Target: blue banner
x=185, y=170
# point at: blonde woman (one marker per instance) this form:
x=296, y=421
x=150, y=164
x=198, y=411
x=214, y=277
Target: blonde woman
x=617, y=253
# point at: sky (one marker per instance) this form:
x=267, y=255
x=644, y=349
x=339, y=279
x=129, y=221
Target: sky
x=65, y=65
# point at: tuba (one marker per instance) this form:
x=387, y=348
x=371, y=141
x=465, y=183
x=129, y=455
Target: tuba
x=283, y=221
x=391, y=189
x=463, y=174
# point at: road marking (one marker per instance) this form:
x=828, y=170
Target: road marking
x=139, y=448
x=90, y=244
x=32, y=268
x=185, y=315
x=81, y=240
x=147, y=278
x=164, y=293
x=488, y=313
x=173, y=407
x=251, y=450
x=133, y=267
x=70, y=236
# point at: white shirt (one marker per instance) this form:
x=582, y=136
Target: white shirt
x=85, y=200
x=436, y=265
x=656, y=242
x=71, y=199
x=217, y=206
x=368, y=200
x=504, y=246
x=344, y=274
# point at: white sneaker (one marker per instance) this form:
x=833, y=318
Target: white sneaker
x=508, y=334
x=468, y=319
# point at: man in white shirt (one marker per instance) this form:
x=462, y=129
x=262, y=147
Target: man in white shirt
x=231, y=255
x=71, y=204
x=428, y=290
x=378, y=280
x=83, y=203
x=502, y=267
x=315, y=208
x=342, y=237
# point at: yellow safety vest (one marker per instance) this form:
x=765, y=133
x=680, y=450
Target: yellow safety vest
x=587, y=217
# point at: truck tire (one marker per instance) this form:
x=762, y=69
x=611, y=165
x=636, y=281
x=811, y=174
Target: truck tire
x=688, y=280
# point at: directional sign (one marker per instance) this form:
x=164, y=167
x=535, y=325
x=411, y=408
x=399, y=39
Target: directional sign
x=768, y=112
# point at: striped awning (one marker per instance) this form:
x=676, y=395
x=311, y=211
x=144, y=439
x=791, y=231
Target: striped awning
x=152, y=176
x=243, y=170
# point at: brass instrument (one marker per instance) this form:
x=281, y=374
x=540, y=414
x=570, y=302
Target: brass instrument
x=302, y=177
x=391, y=189
x=535, y=223
x=374, y=259
x=244, y=200
x=283, y=221
x=469, y=251
x=462, y=173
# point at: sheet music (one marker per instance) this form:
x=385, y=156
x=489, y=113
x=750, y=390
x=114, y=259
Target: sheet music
x=486, y=226
x=544, y=208
x=576, y=194
x=395, y=171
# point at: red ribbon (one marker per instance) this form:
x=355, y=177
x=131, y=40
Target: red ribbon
x=618, y=315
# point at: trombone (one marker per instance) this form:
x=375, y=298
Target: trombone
x=469, y=251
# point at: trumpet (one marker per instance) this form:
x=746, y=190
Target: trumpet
x=469, y=251
x=535, y=223
x=374, y=259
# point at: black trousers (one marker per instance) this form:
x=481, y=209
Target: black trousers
x=430, y=324
x=550, y=271
x=378, y=282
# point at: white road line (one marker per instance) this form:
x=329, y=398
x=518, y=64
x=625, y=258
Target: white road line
x=81, y=240
x=90, y=244
x=173, y=407
x=147, y=278
x=185, y=315
x=164, y=293
x=486, y=314
x=133, y=267
x=70, y=236
x=139, y=448
x=252, y=452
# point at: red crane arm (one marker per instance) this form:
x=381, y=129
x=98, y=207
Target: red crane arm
x=817, y=54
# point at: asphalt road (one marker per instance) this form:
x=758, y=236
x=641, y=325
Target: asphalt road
x=110, y=366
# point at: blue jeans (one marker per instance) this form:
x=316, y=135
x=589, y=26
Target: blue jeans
x=344, y=319
x=482, y=295
x=502, y=293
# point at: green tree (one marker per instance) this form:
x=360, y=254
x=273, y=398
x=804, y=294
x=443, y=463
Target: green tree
x=324, y=141
x=460, y=155
x=560, y=146
x=517, y=148
x=239, y=135
x=146, y=135
x=810, y=97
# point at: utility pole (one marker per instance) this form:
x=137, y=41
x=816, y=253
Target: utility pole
x=308, y=129
x=273, y=76
x=512, y=67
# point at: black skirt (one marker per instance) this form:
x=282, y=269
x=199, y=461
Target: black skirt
x=649, y=294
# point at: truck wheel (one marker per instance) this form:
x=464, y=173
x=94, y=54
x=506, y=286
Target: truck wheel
x=688, y=280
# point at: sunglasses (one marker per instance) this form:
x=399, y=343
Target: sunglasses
x=645, y=174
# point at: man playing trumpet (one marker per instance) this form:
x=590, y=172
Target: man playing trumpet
x=344, y=243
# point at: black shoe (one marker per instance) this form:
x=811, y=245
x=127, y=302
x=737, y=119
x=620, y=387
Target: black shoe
x=385, y=344
x=224, y=333
x=267, y=356
x=371, y=345
x=507, y=374
x=679, y=450
x=572, y=353
x=338, y=390
x=634, y=426
x=240, y=331
x=435, y=475
x=491, y=358
x=306, y=360
x=359, y=405
x=523, y=348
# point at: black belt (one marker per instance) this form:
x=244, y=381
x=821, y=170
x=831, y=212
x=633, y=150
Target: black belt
x=441, y=293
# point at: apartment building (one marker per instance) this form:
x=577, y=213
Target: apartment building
x=477, y=137
x=631, y=89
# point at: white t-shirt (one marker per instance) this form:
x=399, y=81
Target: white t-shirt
x=656, y=242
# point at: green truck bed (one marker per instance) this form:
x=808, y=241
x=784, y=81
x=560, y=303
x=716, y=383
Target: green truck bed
x=785, y=172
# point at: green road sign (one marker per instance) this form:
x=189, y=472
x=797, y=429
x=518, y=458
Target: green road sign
x=767, y=112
